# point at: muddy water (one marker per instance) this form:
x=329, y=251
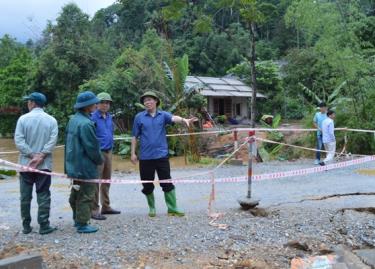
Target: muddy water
x=118, y=164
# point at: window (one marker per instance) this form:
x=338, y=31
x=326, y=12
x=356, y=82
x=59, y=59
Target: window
x=223, y=106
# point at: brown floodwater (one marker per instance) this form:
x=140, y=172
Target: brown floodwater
x=118, y=163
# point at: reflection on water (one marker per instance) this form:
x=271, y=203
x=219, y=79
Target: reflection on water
x=118, y=164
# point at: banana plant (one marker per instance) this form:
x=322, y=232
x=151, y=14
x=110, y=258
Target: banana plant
x=331, y=100
x=270, y=151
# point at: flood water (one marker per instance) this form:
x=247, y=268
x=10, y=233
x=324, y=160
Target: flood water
x=118, y=164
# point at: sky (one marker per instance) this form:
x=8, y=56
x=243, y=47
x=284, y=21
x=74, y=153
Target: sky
x=26, y=19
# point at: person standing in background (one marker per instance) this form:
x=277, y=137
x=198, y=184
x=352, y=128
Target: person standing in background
x=82, y=157
x=35, y=137
x=329, y=140
x=319, y=117
x=104, y=133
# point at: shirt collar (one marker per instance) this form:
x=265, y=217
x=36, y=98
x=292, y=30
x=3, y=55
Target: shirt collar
x=148, y=114
x=37, y=109
x=98, y=114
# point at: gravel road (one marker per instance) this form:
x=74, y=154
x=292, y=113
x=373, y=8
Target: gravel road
x=313, y=212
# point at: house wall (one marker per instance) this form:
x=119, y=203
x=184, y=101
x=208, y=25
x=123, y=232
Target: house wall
x=235, y=100
x=244, y=107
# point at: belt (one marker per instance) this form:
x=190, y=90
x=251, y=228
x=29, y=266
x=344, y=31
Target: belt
x=106, y=150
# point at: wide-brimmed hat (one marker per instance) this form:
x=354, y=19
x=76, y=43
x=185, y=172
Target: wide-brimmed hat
x=39, y=98
x=85, y=99
x=150, y=94
x=104, y=96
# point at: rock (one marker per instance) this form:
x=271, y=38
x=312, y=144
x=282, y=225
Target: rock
x=297, y=245
x=324, y=250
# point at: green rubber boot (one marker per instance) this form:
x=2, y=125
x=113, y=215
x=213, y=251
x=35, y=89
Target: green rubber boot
x=151, y=205
x=170, y=200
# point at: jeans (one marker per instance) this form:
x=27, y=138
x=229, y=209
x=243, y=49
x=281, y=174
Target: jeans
x=319, y=145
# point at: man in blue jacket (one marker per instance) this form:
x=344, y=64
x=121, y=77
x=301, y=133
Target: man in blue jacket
x=150, y=128
x=82, y=157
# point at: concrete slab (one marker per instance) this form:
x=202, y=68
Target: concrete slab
x=339, y=265
x=367, y=256
x=350, y=259
x=22, y=261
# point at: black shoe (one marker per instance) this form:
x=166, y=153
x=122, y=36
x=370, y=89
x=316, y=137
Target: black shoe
x=47, y=229
x=322, y=164
x=98, y=216
x=111, y=212
x=27, y=229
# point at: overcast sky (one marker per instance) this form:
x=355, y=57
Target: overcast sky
x=24, y=19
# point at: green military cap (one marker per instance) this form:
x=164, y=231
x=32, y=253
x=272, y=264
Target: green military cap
x=103, y=96
x=150, y=94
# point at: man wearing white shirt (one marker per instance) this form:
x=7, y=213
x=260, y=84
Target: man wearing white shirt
x=329, y=140
x=35, y=137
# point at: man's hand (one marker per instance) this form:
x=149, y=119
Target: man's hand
x=36, y=160
x=190, y=121
x=134, y=159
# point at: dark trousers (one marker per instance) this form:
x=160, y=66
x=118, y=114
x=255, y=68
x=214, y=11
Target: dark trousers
x=43, y=195
x=81, y=201
x=147, y=170
x=319, y=146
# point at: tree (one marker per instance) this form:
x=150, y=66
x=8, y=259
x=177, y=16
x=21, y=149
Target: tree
x=131, y=74
x=9, y=48
x=14, y=79
x=340, y=65
x=68, y=58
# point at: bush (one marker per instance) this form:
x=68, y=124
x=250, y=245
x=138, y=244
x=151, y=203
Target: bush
x=8, y=124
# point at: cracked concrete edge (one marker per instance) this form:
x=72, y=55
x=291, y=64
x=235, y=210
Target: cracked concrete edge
x=29, y=261
x=367, y=256
x=351, y=260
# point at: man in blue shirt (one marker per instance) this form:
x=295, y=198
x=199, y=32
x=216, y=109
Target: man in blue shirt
x=319, y=117
x=104, y=132
x=150, y=128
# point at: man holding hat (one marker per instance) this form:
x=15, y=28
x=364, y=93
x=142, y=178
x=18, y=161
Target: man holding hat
x=82, y=157
x=150, y=128
x=35, y=137
x=319, y=117
x=104, y=133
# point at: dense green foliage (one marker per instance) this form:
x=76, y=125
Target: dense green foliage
x=305, y=51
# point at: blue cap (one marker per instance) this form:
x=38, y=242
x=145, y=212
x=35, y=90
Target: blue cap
x=39, y=98
x=85, y=99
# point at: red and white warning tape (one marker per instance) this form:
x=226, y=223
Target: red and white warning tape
x=185, y=180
